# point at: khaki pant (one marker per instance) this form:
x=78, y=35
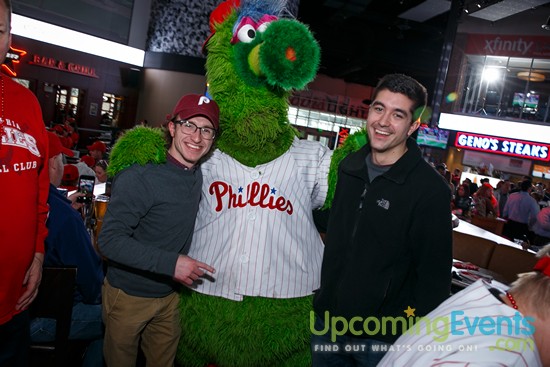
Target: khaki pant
x=127, y=318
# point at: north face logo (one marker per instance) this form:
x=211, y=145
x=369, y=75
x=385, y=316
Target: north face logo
x=383, y=203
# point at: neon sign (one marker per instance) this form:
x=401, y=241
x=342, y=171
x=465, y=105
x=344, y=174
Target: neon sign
x=343, y=133
x=13, y=57
x=503, y=146
x=50, y=62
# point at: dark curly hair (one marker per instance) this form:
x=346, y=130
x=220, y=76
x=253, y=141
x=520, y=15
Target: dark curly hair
x=404, y=84
x=466, y=189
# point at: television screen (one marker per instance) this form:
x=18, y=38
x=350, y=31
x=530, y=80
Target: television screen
x=530, y=100
x=541, y=171
x=432, y=137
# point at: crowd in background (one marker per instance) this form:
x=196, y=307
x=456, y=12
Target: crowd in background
x=524, y=204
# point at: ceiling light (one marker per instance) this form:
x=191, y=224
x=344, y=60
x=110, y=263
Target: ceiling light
x=546, y=25
x=531, y=76
x=491, y=74
x=49, y=33
x=474, y=6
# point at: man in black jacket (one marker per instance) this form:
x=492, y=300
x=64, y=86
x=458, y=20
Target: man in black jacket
x=388, y=253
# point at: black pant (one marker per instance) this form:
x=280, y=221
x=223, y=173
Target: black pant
x=513, y=229
x=540, y=240
x=15, y=341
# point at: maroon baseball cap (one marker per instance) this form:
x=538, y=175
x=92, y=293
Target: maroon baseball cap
x=192, y=105
x=55, y=147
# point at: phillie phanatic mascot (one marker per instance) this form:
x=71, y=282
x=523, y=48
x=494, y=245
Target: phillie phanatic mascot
x=255, y=224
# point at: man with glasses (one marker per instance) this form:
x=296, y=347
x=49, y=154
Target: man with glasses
x=147, y=231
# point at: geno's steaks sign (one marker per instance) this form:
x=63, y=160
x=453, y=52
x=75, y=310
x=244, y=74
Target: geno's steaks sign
x=503, y=146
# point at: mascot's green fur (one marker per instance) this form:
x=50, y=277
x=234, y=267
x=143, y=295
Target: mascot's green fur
x=251, y=82
x=140, y=145
x=253, y=99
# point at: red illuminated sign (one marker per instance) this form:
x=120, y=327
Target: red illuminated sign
x=50, y=62
x=503, y=146
x=13, y=57
x=343, y=133
x=508, y=45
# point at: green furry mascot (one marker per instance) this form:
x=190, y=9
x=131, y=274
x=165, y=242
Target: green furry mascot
x=255, y=224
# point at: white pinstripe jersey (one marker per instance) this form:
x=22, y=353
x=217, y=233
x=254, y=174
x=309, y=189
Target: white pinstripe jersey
x=492, y=342
x=255, y=224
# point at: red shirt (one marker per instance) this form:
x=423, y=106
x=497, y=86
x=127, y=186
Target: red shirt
x=24, y=187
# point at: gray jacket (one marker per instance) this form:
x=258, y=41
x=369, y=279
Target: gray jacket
x=149, y=222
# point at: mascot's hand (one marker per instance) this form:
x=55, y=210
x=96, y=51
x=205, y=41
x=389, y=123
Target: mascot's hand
x=188, y=270
x=353, y=143
x=140, y=145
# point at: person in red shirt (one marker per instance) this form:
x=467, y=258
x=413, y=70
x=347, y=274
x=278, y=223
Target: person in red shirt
x=70, y=127
x=24, y=187
x=64, y=137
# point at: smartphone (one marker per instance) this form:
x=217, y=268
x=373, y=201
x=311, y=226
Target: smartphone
x=86, y=186
x=108, y=185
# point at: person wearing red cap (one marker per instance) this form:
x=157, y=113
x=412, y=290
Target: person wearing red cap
x=86, y=166
x=64, y=137
x=146, y=233
x=89, y=160
x=83, y=168
x=56, y=151
x=70, y=127
x=69, y=179
x=97, y=150
x=68, y=173
x=24, y=186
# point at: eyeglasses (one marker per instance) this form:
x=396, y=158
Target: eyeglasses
x=189, y=128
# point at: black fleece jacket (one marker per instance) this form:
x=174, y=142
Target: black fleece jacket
x=388, y=244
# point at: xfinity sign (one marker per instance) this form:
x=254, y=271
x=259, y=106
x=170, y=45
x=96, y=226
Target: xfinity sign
x=504, y=146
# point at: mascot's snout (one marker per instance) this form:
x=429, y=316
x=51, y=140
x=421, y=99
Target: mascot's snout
x=288, y=55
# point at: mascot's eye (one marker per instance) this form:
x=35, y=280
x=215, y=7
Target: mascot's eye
x=265, y=21
x=262, y=27
x=248, y=28
x=246, y=33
